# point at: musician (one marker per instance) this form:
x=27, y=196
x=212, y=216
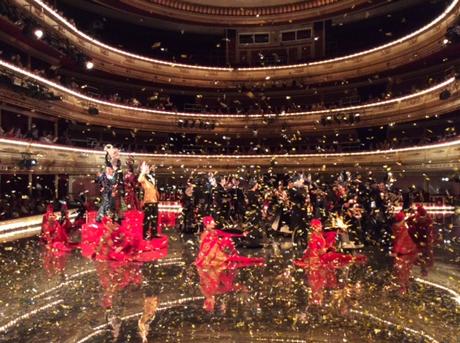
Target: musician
x=353, y=213
x=297, y=193
x=318, y=201
x=253, y=216
x=221, y=201
x=281, y=207
x=188, y=208
x=237, y=200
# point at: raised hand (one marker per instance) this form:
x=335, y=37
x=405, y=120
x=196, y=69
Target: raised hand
x=145, y=168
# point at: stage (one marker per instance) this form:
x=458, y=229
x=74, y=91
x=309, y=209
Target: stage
x=49, y=296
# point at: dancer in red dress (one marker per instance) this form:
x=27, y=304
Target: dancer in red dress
x=422, y=233
x=131, y=185
x=217, y=262
x=114, y=244
x=64, y=220
x=405, y=251
x=217, y=249
x=321, y=261
x=53, y=234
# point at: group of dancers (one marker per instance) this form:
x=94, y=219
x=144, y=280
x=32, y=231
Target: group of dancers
x=119, y=229
x=119, y=191
x=333, y=220
x=356, y=211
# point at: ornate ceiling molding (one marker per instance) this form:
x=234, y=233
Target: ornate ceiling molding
x=239, y=15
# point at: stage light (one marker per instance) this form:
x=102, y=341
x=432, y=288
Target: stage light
x=38, y=33
x=445, y=41
x=89, y=65
x=28, y=163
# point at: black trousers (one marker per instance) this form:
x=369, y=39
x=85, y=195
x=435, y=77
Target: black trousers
x=150, y=220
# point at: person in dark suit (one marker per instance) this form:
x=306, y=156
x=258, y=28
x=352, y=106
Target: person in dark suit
x=297, y=197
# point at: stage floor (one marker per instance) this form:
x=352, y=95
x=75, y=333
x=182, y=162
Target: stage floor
x=48, y=297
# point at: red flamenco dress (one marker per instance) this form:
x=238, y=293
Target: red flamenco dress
x=405, y=251
x=217, y=249
x=110, y=241
x=65, y=222
x=53, y=233
x=422, y=233
x=321, y=262
x=217, y=263
x=131, y=200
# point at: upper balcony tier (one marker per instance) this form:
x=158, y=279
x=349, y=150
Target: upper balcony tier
x=416, y=45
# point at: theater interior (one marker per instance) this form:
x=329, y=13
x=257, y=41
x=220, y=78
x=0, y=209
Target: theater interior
x=230, y=171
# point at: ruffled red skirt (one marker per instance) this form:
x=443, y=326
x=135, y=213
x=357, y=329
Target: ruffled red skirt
x=123, y=243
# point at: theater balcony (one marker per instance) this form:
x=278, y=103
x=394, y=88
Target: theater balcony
x=66, y=103
x=235, y=13
x=435, y=158
x=421, y=42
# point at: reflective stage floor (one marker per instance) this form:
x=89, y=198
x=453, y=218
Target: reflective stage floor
x=49, y=297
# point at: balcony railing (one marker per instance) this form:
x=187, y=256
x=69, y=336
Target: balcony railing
x=420, y=43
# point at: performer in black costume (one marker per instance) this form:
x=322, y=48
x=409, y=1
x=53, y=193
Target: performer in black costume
x=253, y=216
x=188, y=208
x=106, y=182
x=221, y=202
x=237, y=201
x=297, y=198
